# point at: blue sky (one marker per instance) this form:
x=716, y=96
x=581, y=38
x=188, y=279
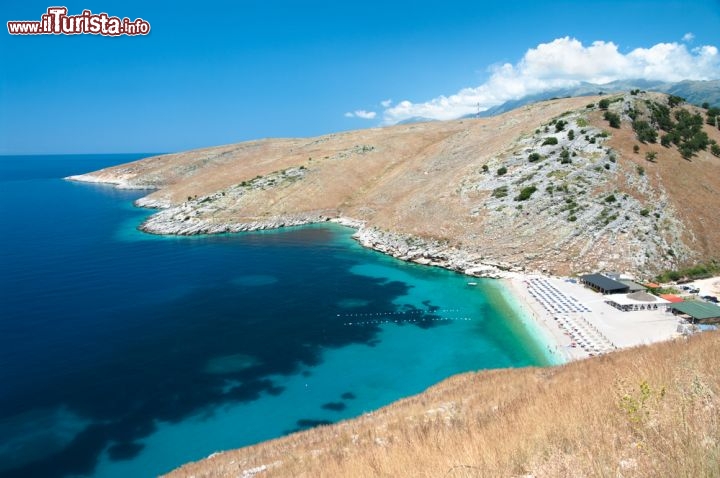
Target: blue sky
x=217, y=72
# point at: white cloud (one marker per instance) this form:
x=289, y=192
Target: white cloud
x=386, y=103
x=566, y=62
x=361, y=114
x=688, y=37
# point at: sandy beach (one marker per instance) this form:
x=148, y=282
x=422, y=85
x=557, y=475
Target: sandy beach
x=588, y=326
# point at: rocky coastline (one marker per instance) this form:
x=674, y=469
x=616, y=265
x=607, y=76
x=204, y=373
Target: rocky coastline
x=401, y=246
x=181, y=220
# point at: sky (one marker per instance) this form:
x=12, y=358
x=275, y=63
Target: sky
x=220, y=72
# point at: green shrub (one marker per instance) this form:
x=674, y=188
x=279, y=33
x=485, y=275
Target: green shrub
x=571, y=135
x=636, y=149
x=712, y=115
x=645, y=133
x=715, y=150
x=660, y=115
x=525, y=193
x=565, y=157
x=610, y=199
x=640, y=171
x=572, y=218
x=485, y=168
x=550, y=140
x=613, y=119
x=604, y=103
x=501, y=170
x=644, y=212
x=533, y=157
x=673, y=100
x=500, y=192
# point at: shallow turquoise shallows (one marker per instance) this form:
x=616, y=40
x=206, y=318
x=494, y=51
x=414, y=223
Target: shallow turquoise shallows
x=124, y=354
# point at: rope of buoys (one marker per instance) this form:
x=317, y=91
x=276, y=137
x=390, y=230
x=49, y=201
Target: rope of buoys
x=407, y=312
x=396, y=321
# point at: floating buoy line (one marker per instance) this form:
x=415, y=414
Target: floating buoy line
x=408, y=316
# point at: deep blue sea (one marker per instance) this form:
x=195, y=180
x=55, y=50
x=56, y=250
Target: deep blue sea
x=126, y=355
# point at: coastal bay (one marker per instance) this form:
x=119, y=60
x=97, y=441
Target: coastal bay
x=120, y=348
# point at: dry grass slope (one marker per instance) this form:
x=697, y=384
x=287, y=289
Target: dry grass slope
x=646, y=412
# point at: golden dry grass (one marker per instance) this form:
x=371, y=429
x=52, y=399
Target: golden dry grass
x=647, y=412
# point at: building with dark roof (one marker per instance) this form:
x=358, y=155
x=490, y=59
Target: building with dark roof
x=632, y=285
x=604, y=285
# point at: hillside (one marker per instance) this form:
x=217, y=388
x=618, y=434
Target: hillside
x=645, y=412
x=435, y=193
x=694, y=92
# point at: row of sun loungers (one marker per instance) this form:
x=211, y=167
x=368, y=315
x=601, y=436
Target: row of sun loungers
x=584, y=334
x=552, y=299
x=566, y=312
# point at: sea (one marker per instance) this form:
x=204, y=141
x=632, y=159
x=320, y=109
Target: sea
x=128, y=354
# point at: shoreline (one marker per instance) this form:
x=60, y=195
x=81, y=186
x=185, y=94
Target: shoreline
x=552, y=332
x=539, y=323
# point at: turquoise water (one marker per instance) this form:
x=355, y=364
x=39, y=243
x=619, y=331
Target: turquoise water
x=125, y=354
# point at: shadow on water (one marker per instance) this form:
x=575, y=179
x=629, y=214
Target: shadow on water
x=182, y=358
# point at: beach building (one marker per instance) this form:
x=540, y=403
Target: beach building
x=603, y=284
x=636, y=301
x=697, y=311
x=632, y=285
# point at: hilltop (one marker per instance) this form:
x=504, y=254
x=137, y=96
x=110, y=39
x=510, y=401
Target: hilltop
x=548, y=187
x=650, y=411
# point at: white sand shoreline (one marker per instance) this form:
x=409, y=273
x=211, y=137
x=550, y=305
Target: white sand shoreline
x=621, y=329
x=537, y=321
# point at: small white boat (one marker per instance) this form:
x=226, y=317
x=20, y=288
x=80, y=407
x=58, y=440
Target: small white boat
x=472, y=283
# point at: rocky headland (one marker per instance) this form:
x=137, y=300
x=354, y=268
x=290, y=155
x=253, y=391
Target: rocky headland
x=551, y=187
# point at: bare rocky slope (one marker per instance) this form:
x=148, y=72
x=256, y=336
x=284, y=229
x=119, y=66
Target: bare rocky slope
x=574, y=197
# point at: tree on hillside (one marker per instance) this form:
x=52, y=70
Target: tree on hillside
x=645, y=132
x=715, y=150
x=613, y=119
x=673, y=100
x=604, y=103
x=712, y=115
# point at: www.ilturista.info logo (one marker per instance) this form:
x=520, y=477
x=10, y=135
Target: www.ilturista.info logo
x=57, y=22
